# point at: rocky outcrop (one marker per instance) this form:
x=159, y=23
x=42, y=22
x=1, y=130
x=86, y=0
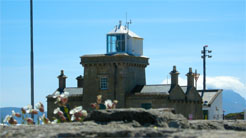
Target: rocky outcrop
x=152, y=117
x=131, y=123
x=237, y=125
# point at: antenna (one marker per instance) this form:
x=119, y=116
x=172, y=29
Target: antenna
x=126, y=17
x=128, y=23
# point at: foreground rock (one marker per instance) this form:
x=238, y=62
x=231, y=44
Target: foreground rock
x=237, y=125
x=131, y=123
x=112, y=129
x=156, y=117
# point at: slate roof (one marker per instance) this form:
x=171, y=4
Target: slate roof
x=210, y=95
x=184, y=88
x=152, y=89
x=73, y=91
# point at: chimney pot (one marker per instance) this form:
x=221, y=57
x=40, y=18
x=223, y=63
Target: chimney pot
x=174, y=68
x=62, y=72
x=80, y=81
x=62, y=81
x=190, y=78
x=190, y=70
x=174, y=76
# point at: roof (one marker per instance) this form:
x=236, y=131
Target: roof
x=105, y=55
x=210, y=95
x=184, y=88
x=153, y=89
x=73, y=91
x=123, y=30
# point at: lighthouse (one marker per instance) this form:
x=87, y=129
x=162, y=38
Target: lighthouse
x=119, y=74
x=115, y=73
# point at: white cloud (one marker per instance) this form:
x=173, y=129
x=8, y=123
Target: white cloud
x=218, y=82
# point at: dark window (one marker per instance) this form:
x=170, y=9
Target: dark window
x=146, y=105
x=104, y=83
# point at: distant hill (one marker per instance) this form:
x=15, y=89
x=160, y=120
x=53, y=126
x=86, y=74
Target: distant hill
x=8, y=111
x=233, y=102
x=234, y=116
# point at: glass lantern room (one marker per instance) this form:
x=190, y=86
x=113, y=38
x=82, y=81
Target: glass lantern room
x=122, y=40
x=116, y=43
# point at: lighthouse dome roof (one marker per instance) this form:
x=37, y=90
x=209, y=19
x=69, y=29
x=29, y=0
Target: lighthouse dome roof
x=120, y=29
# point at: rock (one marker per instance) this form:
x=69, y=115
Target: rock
x=206, y=124
x=154, y=117
x=235, y=125
x=131, y=123
x=111, y=129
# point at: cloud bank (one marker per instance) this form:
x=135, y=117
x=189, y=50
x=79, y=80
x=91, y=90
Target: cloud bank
x=218, y=82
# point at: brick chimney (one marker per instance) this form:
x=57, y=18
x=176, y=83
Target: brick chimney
x=62, y=81
x=174, y=77
x=80, y=81
x=190, y=78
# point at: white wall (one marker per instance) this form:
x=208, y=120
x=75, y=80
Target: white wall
x=135, y=46
x=215, y=111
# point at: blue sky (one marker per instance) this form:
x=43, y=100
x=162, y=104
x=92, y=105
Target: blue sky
x=174, y=32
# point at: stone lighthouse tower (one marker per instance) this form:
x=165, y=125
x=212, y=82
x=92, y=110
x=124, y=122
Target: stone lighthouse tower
x=116, y=73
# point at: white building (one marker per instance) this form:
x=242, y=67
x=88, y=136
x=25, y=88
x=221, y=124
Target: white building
x=212, y=104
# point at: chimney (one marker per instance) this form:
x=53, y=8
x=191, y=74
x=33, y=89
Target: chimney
x=174, y=77
x=80, y=81
x=62, y=81
x=190, y=78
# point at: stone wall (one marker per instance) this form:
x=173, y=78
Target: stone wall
x=124, y=72
x=156, y=101
x=186, y=108
x=73, y=101
x=183, y=107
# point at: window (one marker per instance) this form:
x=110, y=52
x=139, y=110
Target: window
x=104, y=83
x=116, y=43
x=146, y=105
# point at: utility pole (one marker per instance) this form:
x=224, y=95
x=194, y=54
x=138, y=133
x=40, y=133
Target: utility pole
x=204, y=55
x=31, y=56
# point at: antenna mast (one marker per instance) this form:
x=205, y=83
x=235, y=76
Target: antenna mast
x=127, y=23
x=126, y=17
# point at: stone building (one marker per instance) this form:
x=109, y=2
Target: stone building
x=120, y=74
